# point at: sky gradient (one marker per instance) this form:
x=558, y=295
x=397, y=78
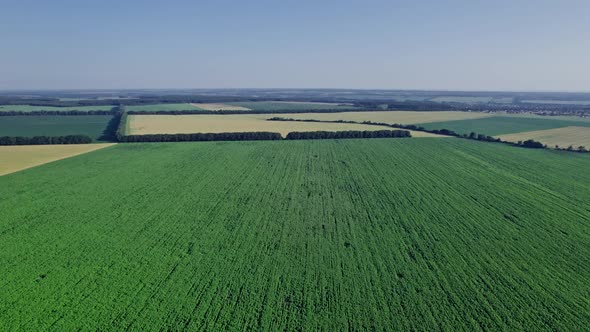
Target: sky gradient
x=531, y=45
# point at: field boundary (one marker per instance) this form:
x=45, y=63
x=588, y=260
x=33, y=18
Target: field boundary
x=264, y=136
x=38, y=160
x=531, y=144
x=45, y=140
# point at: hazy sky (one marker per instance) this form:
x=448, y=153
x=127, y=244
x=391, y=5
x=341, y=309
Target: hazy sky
x=435, y=44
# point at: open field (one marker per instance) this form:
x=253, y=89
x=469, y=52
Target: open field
x=162, y=107
x=54, y=125
x=175, y=124
x=502, y=100
x=288, y=105
x=564, y=137
x=499, y=125
x=29, y=108
x=220, y=107
x=334, y=235
x=560, y=102
x=239, y=106
x=390, y=117
x=311, y=103
x=16, y=158
x=535, y=116
x=458, y=99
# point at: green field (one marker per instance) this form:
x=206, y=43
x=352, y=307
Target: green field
x=499, y=125
x=54, y=125
x=459, y=99
x=289, y=106
x=29, y=108
x=559, y=102
x=162, y=107
x=334, y=235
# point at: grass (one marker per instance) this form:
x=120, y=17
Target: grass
x=285, y=106
x=564, y=137
x=423, y=234
x=16, y=158
x=53, y=125
x=173, y=124
x=162, y=107
x=29, y=108
x=499, y=125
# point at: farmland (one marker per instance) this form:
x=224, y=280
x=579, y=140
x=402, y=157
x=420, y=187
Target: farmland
x=390, y=117
x=419, y=234
x=286, y=106
x=468, y=100
x=16, y=158
x=499, y=125
x=173, y=124
x=162, y=107
x=564, y=137
x=29, y=108
x=54, y=125
x=559, y=102
x=220, y=107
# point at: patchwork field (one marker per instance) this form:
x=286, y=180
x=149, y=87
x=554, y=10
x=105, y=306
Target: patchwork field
x=564, y=137
x=16, y=158
x=220, y=107
x=560, y=102
x=459, y=99
x=55, y=125
x=289, y=105
x=499, y=125
x=162, y=107
x=29, y=108
x=174, y=124
x=334, y=235
x=390, y=117
x=239, y=106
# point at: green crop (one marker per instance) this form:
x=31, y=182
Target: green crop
x=382, y=234
x=30, y=108
x=499, y=125
x=55, y=125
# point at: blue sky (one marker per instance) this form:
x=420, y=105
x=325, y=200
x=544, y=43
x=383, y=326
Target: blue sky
x=451, y=45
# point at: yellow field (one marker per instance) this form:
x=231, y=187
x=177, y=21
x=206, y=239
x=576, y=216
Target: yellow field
x=564, y=137
x=220, y=107
x=175, y=124
x=16, y=158
x=390, y=117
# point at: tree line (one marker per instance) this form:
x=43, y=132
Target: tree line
x=223, y=112
x=263, y=136
x=120, y=119
x=243, y=136
x=54, y=113
x=347, y=134
x=531, y=144
x=44, y=140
